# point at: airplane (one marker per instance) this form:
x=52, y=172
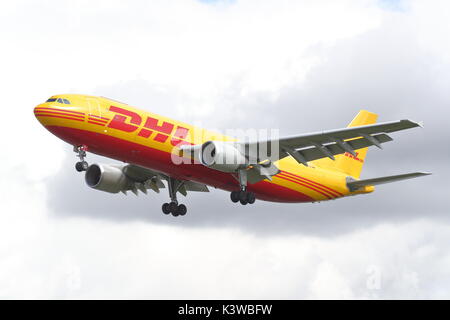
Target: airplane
x=309, y=167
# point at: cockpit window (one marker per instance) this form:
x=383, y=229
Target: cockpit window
x=60, y=100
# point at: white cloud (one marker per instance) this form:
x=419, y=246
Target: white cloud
x=85, y=258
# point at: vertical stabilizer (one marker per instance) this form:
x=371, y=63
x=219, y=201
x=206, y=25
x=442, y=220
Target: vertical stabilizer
x=347, y=163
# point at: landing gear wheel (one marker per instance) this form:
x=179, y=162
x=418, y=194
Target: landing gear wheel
x=242, y=196
x=251, y=198
x=234, y=195
x=181, y=210
x=81, y=166
x=173, y=206
x=165, y=208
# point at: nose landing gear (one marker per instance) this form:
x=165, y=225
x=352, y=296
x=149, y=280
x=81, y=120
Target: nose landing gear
x=81, y=165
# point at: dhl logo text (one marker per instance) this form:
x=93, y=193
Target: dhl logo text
x=129, y=121
x=354, y=157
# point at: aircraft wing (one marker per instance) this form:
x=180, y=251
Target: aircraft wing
x=313, y=146
x=144, y=179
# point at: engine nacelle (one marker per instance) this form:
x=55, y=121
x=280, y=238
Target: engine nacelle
x=108, y=178
x=222, y=156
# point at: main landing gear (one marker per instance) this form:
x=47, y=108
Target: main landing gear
x=173, y=207
x=242, y=196
x=81, y=165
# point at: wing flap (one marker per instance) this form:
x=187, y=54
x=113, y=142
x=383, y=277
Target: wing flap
x=328, y=143
x=310, y=154
x=347, y=133
x=195, y=186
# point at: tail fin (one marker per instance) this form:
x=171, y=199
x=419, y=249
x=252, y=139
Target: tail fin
x=347, y=163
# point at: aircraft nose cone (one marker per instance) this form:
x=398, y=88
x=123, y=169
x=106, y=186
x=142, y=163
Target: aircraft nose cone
x=37, y=111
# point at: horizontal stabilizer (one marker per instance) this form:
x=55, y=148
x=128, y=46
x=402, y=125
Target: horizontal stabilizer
x=357, y=184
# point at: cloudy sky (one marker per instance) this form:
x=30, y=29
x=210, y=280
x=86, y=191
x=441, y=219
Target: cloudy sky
x=294, y=65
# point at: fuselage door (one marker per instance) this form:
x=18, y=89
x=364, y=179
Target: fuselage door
x=94, y=108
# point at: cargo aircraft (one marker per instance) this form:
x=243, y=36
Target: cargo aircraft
x=154, y=149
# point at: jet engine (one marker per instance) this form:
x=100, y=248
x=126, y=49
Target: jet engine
x=108, y=178
x=222, y=156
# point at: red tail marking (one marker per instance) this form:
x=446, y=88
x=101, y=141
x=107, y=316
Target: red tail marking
x=353, y=157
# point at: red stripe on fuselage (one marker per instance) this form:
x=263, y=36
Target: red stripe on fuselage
x=161, y=161
x=322, y=187
x=98, y=117
x=59, y=113
x=54, y=116
x=99, y=124
x=97, y=120
x=57, y=109
x=285, y=177
x=307, y=184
